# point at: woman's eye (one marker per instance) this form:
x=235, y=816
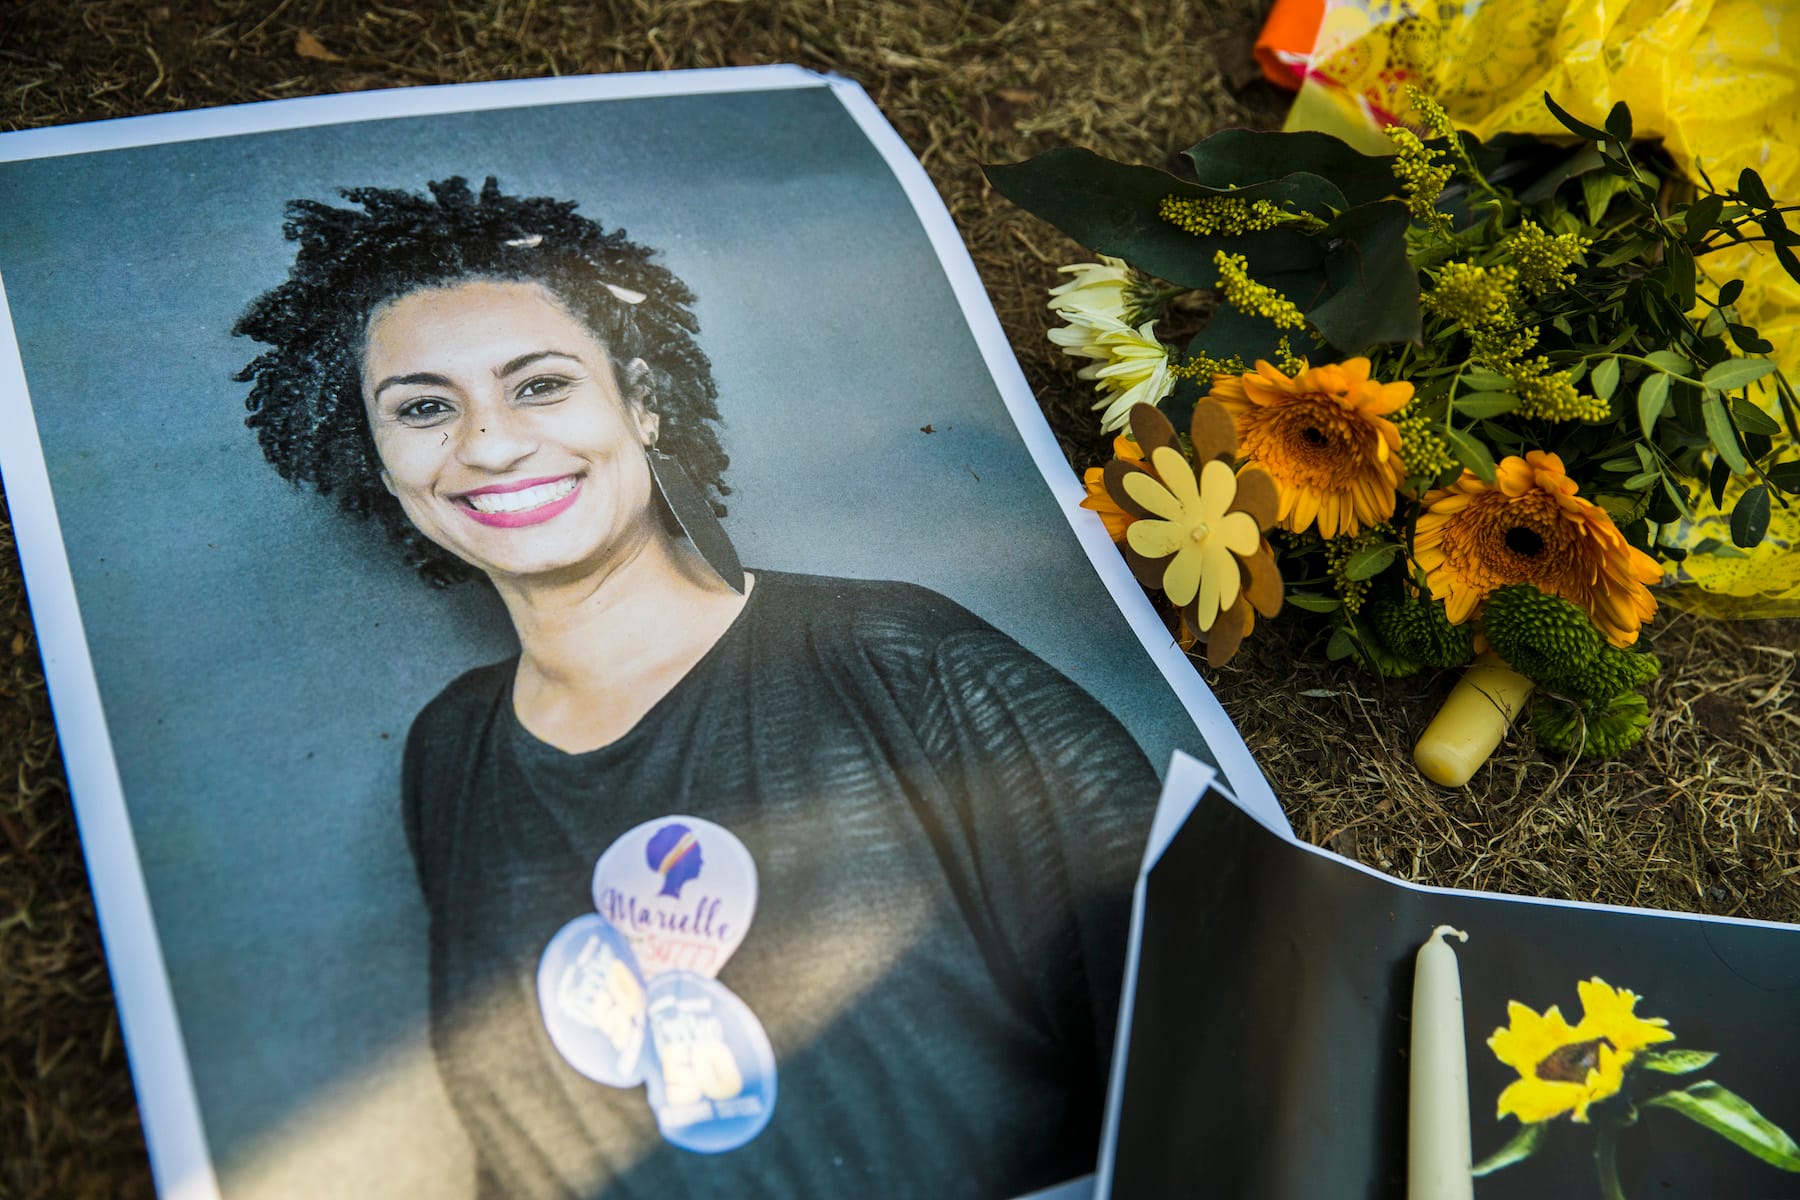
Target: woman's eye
x=426, y=410
x=543, y=387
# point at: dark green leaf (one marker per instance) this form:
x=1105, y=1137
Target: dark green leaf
x=1652, y=398
x=1786, y=476
x=1789, y=262
x=1579, y=128
x=1318, y=604
x=1677, y=496
x=1372, y=291
x=1751, y=419
x=1746, y=338
x=1677, y=1062
x=1242, y=158
x=1524, y=1144
x=1720, y=433
x=1731, y=291
x=1735, y=1119
x=1641, y=480
x=1471, y=453
x=1750, y=517
x=1718, y=477
x=1561, y=324
x=1622, y=464
x=1584, y=162
x=1680, y=262
x=1750, y=187
x=1112, y=208
x=1342, y=645
x=1371, y=561
x=1618, y=122
x=1626, y=252
x=1606, y=378
x=1668, y=360
x=1734, y=373
x=1480, y=405
x=1756, y=445
x=1702, y=215
x=1485, y=380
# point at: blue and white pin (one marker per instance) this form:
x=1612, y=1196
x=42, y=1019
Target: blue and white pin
x=682, y=889
x=594, y=1002
x=712, y=1079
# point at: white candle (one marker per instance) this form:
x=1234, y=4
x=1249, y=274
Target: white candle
x=1437, y=1127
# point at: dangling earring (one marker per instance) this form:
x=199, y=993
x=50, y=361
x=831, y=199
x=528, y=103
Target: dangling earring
x=694, y=516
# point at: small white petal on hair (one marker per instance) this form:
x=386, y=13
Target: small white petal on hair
x=626, y=294
x=526, y=243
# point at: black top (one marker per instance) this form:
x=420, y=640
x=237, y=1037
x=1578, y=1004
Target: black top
x=946, y=832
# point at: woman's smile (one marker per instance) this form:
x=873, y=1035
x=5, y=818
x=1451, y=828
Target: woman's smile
x=502, y=431
x=528, y=502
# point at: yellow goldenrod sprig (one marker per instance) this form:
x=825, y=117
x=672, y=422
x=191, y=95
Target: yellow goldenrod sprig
x=1202, y=367
x=1543, y=259
x=1550, y=396
x=1248, y=296
x=1474, y=297
x=1422, y=176
x=1228, y=216
x=1426, y=455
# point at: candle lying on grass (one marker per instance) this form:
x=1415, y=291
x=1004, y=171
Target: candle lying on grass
x=1437, y=1126
x=1472, y=721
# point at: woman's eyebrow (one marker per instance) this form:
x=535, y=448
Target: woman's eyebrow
x=425, y=377
x=525, y=360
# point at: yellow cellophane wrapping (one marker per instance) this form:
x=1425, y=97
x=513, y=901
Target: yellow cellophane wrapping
x=1717, y=80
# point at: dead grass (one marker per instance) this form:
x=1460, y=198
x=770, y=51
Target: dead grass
x=1703, y=817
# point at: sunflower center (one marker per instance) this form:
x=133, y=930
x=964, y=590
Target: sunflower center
x=1524, y=541
x=1571, y=1063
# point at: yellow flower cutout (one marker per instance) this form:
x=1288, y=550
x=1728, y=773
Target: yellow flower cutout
x=1196, y=531
x=1564, y=1068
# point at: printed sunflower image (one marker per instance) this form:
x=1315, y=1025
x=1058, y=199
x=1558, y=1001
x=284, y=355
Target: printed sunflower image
x=1598, y=1073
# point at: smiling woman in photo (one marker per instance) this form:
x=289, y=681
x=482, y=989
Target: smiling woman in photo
x=913, y=839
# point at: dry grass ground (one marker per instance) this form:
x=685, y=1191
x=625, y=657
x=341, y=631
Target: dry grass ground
x=1703, y=817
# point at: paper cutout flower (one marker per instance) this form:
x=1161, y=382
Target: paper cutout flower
x=1325, y=438
x=1198, y=535
x=1132, y=367
x=1116, y=519
x=1529, y=526
x=1564, y=1068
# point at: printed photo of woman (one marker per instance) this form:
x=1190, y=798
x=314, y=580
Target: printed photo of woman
x=944, y=829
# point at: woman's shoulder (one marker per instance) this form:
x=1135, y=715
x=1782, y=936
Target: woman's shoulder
x=865, y=610
x=470, y=697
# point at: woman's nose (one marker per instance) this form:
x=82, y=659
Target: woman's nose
x=494, y=438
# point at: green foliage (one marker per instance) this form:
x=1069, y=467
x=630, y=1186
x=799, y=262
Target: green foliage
x=1417, y=627
x=1733, y=1118
x=1539, y=635
x=1590, y=731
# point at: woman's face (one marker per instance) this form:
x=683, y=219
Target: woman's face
x=502, y=432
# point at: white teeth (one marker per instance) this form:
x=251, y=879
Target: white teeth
x=527, y=498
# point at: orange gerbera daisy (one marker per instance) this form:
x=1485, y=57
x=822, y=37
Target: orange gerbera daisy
x=1325, y=437
x=1116, y=519
x=1529, y=526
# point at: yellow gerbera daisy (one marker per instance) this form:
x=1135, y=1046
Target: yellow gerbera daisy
x=1325, y=438
x=1564, y=1068
x=1529, y=526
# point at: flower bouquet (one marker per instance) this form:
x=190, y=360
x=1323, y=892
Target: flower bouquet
x=1458, y=402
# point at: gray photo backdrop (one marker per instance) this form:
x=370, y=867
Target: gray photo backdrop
x=259, y=657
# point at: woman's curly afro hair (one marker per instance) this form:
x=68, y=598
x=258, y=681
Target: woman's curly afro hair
x=306, y=401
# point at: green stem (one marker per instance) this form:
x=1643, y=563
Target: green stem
x=1606, y=1161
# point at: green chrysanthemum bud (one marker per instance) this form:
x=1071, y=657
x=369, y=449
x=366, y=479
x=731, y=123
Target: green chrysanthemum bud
x=1612, y=673
x=1594, y=731
x=1419, y=629
x=1539, y=635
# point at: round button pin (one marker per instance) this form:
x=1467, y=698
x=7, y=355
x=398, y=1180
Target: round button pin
x=682, y=889
x=594, y=1002
x=711, y=1081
